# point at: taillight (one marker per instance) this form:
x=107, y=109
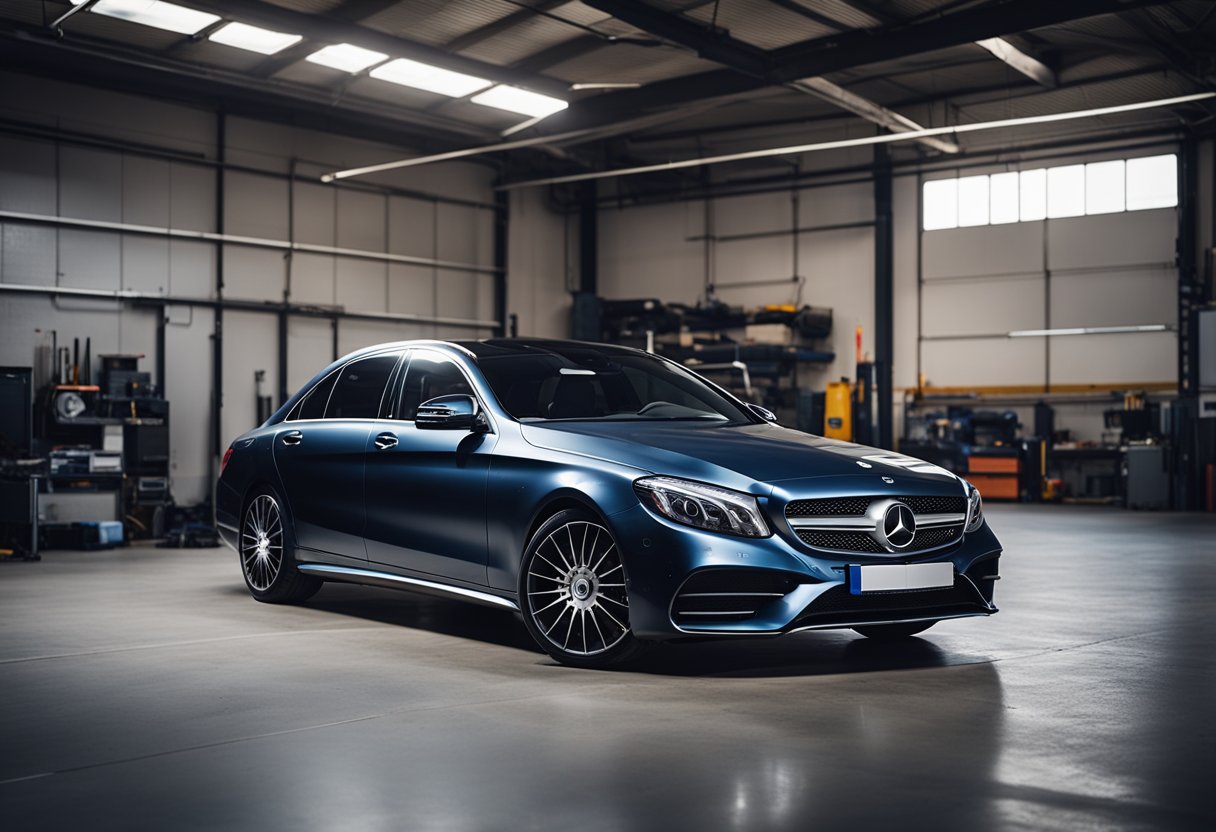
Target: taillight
x=224, y=461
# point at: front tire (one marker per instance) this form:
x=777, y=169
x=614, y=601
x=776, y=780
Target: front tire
x=267, y=557
x=573, y=593
x=892, y=632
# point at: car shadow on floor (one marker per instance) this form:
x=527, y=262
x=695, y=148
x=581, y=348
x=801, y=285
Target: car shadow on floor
x=803, y=654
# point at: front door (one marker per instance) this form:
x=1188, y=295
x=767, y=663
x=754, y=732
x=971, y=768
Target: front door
x=426, y=488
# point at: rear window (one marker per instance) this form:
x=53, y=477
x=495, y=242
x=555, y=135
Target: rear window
x=360, y=386
x=312, y=406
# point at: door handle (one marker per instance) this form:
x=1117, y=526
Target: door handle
x=293, y=438
x=386, y=440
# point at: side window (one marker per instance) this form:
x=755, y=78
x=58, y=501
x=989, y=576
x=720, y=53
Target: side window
x=312, y=406
x=360, y=385
x=430, y=375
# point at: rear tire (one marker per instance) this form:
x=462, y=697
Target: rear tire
x=573, y=593
x=892, y=632
x=267, y=555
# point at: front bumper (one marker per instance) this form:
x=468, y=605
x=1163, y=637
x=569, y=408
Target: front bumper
x=686, y=583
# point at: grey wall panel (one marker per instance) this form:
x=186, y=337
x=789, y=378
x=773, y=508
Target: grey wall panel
x=22, y=316
x=1118, y=298
x=748, y=261
x=464, y=235
x=313, y=278
x=411, y=289
x=250, y=344
x=991, y=250
x=90, y=184
x=362, y=285
x=1114, y=359
x=191, y=269
x=984, y=362
x=309, y=349
x=254, y=274
x=411, y=227
x=836, y=204
x=839, y=271
x=27, y=176
x=28, y=254
x=314, y=208
x=749, y=214
x=146, y=190
x=191, y=197
x=90, y=259
x=1133, y=238
x=988, y=306
x=188, y=360
x=463, y=295
x=354, y=335
x=255, y=206
x=145, y=264
x=537, y=264
x=644, y=252
x=362, y=220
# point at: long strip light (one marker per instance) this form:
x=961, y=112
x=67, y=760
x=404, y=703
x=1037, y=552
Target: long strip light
x=346, y=57
x=1087, y=330
x=253, y=38
x=422, y=76
x=885, y=138
x=575, y=135
x=155, y=13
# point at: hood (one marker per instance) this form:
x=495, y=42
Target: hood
x=734, y=456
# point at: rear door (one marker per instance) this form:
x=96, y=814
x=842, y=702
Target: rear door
x=426, y=489
x=320, y=455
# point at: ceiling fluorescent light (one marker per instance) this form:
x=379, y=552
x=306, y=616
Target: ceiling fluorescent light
x=253, y=38
x=346, y=57
x=1088, y=330
x=515, y=100
x=430, y=78
x=154, y=13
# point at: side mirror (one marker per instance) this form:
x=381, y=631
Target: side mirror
x=455, y=412
x=763, y=412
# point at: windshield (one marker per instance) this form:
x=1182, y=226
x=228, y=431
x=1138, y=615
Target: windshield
x=586, y=383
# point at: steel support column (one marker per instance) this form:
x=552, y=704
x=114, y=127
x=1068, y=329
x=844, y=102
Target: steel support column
x=502, y=229
x=884, y=296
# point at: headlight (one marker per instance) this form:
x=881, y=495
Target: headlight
x=975, y=509
x=703, y=506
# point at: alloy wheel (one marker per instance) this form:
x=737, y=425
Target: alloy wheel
x=576, y=589
x=262, y=542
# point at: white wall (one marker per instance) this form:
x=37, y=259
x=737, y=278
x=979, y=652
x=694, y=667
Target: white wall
x=67, y=180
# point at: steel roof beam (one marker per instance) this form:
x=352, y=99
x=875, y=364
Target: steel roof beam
x=719, y=46
x=847, y=50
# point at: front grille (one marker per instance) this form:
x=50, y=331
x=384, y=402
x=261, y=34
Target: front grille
x=844, y=541
x=857, y=506
x=839, y=540
x=715, y=596
x=839, y=606
x=834, y=507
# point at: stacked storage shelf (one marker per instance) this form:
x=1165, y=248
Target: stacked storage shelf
x=996, y=472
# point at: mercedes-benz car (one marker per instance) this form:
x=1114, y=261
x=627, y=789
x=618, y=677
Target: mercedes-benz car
x=611, y=497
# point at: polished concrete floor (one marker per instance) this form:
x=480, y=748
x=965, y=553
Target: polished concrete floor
x=143, y=689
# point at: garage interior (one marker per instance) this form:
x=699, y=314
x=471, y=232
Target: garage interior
x=977, y=232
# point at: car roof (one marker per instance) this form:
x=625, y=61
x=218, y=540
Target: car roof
x=500, y=347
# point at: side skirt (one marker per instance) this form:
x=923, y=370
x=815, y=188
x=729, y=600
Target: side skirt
x=371, y=577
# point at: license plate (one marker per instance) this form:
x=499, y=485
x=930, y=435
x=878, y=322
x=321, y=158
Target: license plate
x=893, y=577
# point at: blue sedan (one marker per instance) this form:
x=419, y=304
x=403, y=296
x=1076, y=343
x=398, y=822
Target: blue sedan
x=611, y=497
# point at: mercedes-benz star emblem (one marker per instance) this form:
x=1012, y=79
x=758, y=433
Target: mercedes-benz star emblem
x=898, y=527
